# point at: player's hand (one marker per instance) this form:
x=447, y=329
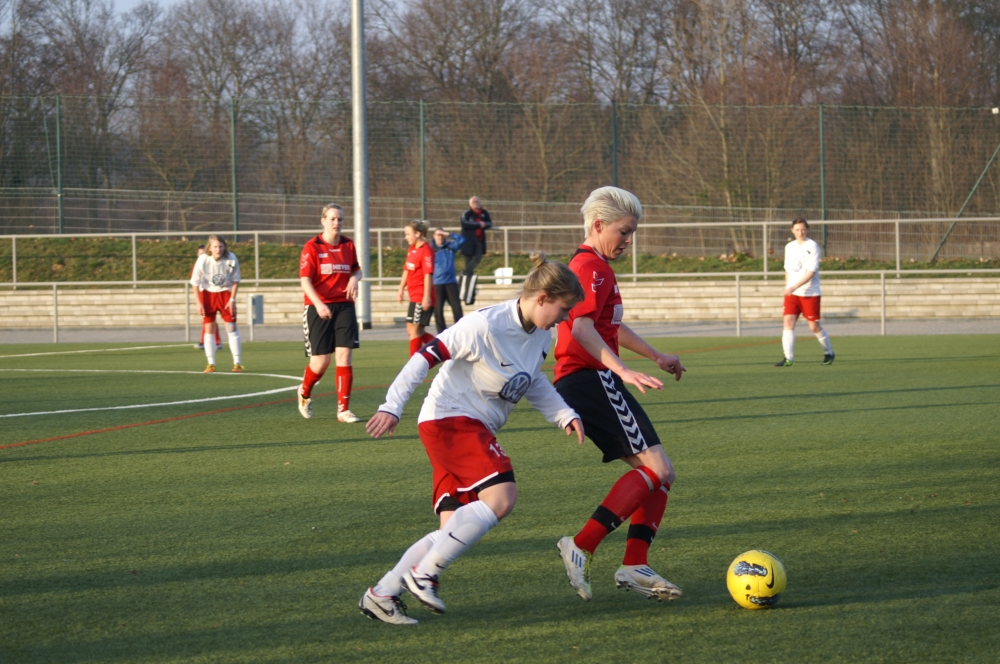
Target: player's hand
x=201, y=309
x=323, y=311
x=640, y=380
x=231, y=305
x=426, y=304
x=352, y=290
x=788, y=291
x=382, y=423
x=399, y=296
x=577, y=426
x=671, y=364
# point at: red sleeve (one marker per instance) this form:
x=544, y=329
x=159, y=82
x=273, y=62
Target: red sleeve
x=596, y=289
x=428, y=260
x=307, y=262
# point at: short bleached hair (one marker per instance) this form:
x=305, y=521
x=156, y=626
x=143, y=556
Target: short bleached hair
x=609, y=204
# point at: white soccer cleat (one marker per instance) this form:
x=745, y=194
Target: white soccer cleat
x=305, y=405
x=424, y=588
x=347, y=417
x=386, y=609
x=643, y=580
x=577, y=562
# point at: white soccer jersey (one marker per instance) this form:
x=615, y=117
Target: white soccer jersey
x=216, y=276
x=799, y=259
x=493, y=363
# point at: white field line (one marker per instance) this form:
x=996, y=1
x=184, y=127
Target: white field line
x=94, y=350
x=151, y=405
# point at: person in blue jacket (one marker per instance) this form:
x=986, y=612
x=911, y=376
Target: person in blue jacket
x=446, y=245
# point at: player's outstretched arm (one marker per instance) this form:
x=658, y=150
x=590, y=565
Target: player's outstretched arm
x=381, y=424
x=627, y=338
x=588, y=337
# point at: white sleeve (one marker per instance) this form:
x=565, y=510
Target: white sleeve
x=549, y=403
x=412, y=374
x=813, y=259
x=197, y=276
x=235, y=276
x=464, y=339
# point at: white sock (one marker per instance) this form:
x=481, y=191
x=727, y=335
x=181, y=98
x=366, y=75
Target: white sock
x=234, y=343
x=391, y=583
x=788, y=344
x=209, y=340
x=466, y=527
x=824, y=340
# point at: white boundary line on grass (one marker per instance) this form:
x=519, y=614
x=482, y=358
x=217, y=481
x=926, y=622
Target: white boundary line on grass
x=94, y=350
x=151, y=405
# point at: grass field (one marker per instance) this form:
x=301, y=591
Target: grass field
x=235, y=531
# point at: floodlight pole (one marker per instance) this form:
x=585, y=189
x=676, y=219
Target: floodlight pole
x=360, y=133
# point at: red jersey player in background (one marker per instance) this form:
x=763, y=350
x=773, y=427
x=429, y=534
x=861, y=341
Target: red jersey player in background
x=329, y=272
x=215, y=280
x=491, y=360
x=591, y=377
x=418, y=274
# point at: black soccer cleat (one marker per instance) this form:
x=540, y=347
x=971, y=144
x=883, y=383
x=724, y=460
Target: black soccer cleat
x=828, y=359
x=785, y=362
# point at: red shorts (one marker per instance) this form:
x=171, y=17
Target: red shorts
x=216, y=303
x=464, y=456
x=807, y=306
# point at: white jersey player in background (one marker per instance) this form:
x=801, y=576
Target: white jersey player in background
x=491, y=359
x=802, y=293
x=215, y=280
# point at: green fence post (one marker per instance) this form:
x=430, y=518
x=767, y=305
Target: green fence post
x=423, y=168
x=614, y=141
x=822, y=175
x=232, y=150
x=59, y=168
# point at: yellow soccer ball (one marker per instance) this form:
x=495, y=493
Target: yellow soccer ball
x=756, y=579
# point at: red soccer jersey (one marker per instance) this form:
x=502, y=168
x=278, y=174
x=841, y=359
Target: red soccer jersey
x=602, y=302
x=329, y=267
x=419, y=262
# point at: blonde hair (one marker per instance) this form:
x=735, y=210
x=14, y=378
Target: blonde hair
x=609, y=204
x=331, y=206
x=418, y=226
x=552, y=278
x=220, y=240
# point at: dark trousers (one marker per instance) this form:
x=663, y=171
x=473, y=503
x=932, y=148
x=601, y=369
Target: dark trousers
x=472, y=261
x=447, y=292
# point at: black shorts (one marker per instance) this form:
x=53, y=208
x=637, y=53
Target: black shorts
x=611, y=416
x=417, y=315
x=322, y=335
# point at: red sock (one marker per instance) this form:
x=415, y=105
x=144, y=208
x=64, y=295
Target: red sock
x=426, y=338
x=308, y=380
x=645, y=521
x=415, y=345
x=345, y=378
x=218, y=339
x=629, y=492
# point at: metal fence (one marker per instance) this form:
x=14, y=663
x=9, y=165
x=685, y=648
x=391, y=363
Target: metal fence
x=82, y=164
x=898, y=241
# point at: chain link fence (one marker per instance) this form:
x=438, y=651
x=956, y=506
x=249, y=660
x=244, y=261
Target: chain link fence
x=90, y=164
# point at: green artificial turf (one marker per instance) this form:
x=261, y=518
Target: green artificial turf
x=249, y=534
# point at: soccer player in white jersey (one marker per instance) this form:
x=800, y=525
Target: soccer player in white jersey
x=802, y=294
x=491, y=359
x=214, y=282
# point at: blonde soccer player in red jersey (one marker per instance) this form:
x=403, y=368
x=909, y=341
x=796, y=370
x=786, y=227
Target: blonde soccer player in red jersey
x=329, y=273
x=417, y=280
x=490, y=360
x=591, y=377
x=215, y=280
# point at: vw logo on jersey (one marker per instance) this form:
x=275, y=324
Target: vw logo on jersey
x=515, y=388
x=218, y=280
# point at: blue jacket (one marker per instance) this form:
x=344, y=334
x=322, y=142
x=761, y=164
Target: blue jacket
x=444, y=259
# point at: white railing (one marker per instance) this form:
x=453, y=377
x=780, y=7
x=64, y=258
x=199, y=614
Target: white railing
x=737, y=277
x=764, y=228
